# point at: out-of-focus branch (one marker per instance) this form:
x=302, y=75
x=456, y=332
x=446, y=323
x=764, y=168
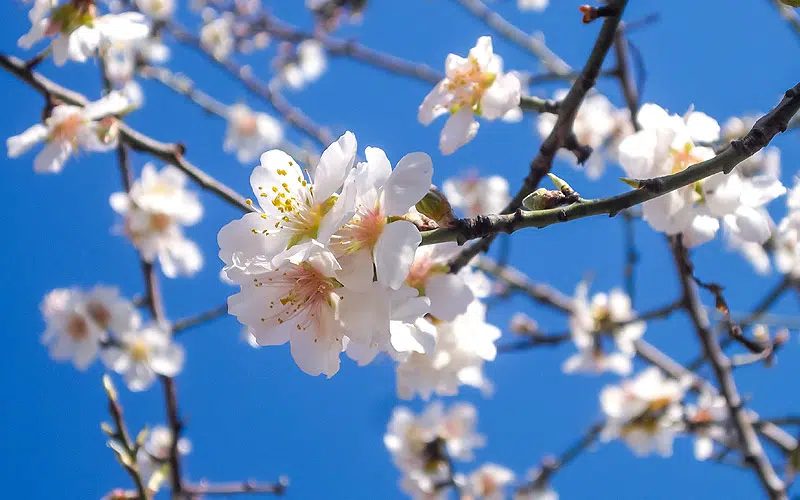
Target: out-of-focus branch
x=186, y=323
x=515, y=35
x=625, y=76
x=119, y=433
x=185, y=87
x=168, y=153
x=539, y=292
x=204, y=489
x=487, y=226
x=789, y=14
x=560, y=135
x=270, y=95
x=751, y=447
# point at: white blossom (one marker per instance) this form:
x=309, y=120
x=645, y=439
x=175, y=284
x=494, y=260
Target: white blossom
x=69, y=129
x=156, y=210
x=78, y=322
x=474, y=195
x=537, y=5
x=78, y=32
x=141, y=354
x=595, y=123
x=537, y=493
x=708, y=416
x=668, y=144
x=475, y=85
x=153, y=457
x=216, y=37
x=306, y=67
x=250, y=133
x=644, y=412
x=488, y=482
x=369, y=243
x=590, y=321
x=462, y=347
x=157, y=9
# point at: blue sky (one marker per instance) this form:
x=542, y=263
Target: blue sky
x=253, y=413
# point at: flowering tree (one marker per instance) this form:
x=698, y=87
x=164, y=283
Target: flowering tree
x=342, y=252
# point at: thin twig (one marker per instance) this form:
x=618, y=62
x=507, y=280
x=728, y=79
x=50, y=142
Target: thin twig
x=752, y=450
x=184, y=324
x=203, y=489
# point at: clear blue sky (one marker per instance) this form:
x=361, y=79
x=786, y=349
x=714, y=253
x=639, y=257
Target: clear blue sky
x=253, y=413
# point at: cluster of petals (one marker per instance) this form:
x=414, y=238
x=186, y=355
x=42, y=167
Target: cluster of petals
x=605, y=316
x=421, y=445
x=82, y=324
x=155, y=211
x=307, y=64
x=474, y=195
x=323, y=264
x=70, y=129
x=473, y=86
x=78, y=32
x=668, y=144
x=644, y=412
x=250, y=133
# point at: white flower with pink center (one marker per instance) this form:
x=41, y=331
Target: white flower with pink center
x=69, y=129
x=473, y=86
x=371, y=242
x=250, y=133
x=296, y=209
x=142, y=354
x=296, y=302
x=450, y=294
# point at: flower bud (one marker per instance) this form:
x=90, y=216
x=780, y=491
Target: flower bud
x=435, y=206
x=542, y=199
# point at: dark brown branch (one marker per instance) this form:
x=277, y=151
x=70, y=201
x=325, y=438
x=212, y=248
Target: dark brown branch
x=561, y=132
x=186, y=323
x=753, y=453
x=629, y=90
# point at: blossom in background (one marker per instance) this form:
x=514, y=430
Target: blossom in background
x=78, y=321
x=475, y=85
x=596, y=122
x=462, y=347
x=307, y=65
x=787, y=237
x=590, y=321
x=644, y=412
x=216, y=37
x=536, y=492
x=537, y=5
x=69, y=129
x=668, y=144
x=141, y=354
x=156, y=209
x=78, y=32
x=250, y=133
x=474, y=195
x=369, y=243
x=153, y=457
x=422, y=445
x=157, y=9
x=489, y=481
x=708, y=417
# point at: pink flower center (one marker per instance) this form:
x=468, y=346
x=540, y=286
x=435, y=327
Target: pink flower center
x=308, y=295
x=77, y=328
x=68, y=129
x=247, y=125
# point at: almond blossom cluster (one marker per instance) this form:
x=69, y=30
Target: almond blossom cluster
x=76, y=32
x=668, y=144
x=425, y=448
x=155, y=211
x=70, y=129
x=330, y=263
x=474, y=195
x=82, y=324
x=473, y=86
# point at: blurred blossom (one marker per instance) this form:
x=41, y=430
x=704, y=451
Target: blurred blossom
x=474, y=195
